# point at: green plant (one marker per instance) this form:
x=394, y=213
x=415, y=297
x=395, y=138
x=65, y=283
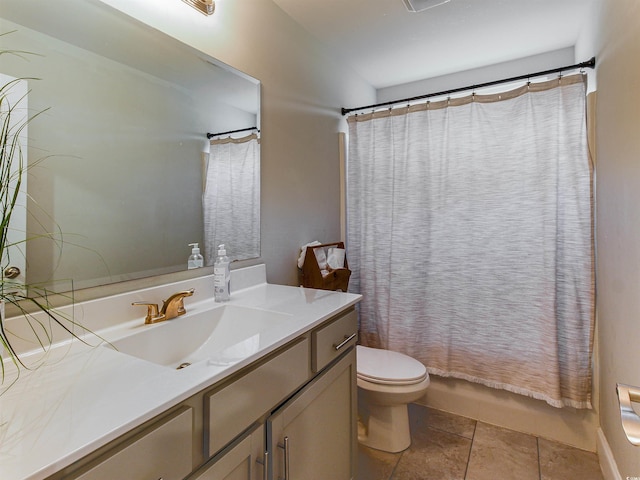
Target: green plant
x=31, y=302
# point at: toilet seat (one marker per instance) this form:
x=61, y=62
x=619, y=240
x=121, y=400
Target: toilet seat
x=384, y=367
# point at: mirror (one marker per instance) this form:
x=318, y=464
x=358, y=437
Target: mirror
x=118, y=157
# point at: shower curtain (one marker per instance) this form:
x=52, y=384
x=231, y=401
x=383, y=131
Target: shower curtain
x=469, y=234
x=231, y=200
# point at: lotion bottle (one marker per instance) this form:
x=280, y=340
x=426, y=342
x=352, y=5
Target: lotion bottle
x=221, y=276
x=195, y=260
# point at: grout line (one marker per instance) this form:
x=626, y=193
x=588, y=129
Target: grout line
x=395, y=467
x=538, y=450
x=473, y=438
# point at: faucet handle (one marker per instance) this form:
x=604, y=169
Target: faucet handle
x=153, y=315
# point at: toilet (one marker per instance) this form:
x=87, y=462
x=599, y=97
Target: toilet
x=387, y=382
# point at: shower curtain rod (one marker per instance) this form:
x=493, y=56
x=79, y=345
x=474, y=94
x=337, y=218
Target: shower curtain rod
x=588, y=64
x=211, y=135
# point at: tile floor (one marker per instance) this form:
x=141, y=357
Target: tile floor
x=449, y=447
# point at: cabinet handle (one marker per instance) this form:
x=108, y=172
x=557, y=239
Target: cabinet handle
x=285, y=447
x=265, y=464
x=347, y=339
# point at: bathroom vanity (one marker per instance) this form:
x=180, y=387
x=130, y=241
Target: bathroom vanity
x=277, y=404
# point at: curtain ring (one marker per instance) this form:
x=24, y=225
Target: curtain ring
x=448, y=101
x=428, y=104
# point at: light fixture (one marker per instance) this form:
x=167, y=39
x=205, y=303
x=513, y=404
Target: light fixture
x=420, y=5
x=203, y=6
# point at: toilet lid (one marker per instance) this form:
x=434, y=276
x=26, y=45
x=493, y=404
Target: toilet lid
x=388, y=368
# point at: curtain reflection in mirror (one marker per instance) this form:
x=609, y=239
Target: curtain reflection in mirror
x=231, y=199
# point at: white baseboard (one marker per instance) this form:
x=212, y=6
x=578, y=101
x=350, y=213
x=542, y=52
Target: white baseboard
x=605, y=455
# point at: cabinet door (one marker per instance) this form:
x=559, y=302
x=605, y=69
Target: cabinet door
x=313, y=435
x=242, y=461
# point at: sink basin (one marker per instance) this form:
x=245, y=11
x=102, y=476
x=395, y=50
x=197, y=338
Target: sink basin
x=222, y=335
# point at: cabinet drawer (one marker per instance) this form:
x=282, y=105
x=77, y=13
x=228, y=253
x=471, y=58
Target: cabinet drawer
x=334, y=338
x=164, y=450
x=232, y=409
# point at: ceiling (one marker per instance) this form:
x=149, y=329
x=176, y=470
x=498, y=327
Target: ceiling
x=388, y=45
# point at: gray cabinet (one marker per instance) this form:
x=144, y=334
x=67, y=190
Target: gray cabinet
x=313, y=435
x=333, y=338
x=242, y=460
x=161, y=450
x=231, y=409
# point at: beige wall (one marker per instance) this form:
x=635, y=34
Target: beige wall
x=476, y=76
x=303, y=90
x=618, y=216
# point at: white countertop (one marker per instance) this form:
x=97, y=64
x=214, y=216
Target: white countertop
x=64, y=410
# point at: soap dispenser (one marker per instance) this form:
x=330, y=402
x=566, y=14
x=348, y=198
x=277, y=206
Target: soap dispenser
x=195, y=260
x=221, y=276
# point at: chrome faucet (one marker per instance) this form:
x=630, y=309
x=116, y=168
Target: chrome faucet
x=172, y=307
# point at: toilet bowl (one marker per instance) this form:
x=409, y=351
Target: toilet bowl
x=387, y=382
